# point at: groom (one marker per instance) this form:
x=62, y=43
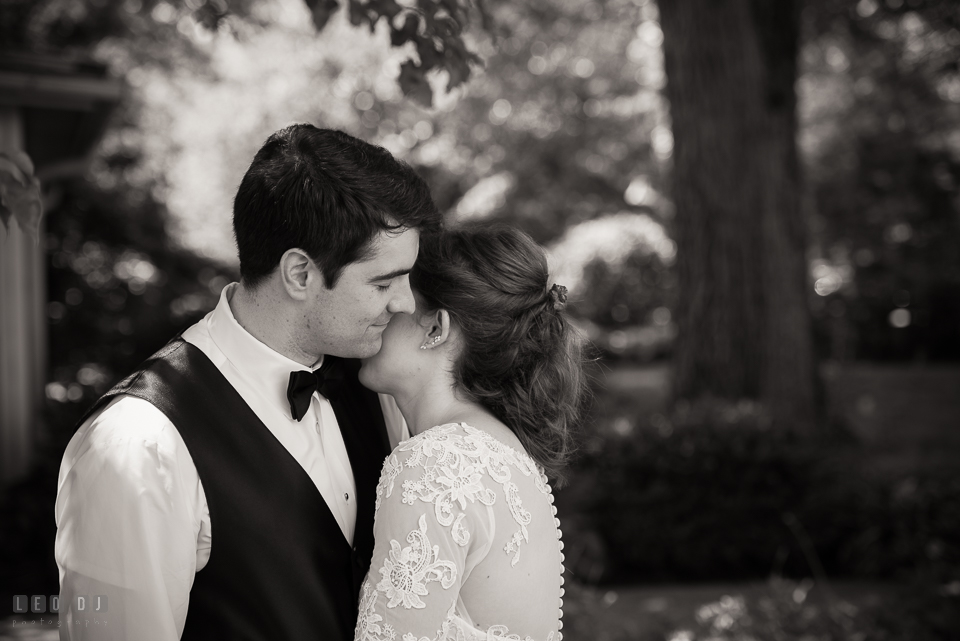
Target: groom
x=226, y=489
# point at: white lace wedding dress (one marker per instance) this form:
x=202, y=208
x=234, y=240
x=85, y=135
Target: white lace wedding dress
x=467, y=544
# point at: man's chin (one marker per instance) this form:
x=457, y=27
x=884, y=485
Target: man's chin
x=366, y=347
x=369, y=348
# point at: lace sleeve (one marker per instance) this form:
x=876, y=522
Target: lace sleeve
x=432, y=522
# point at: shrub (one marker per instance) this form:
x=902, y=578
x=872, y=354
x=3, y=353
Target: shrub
x=717, y=493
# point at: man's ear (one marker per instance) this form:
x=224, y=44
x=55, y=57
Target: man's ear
x=295, y=273
x=437, y=329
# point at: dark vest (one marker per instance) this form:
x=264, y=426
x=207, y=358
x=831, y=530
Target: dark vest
x=280, y=568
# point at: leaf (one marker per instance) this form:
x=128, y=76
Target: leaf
x=358, y=13
x=406, y=33
x=445, y=28
x=436, y=29
x=17, y=163
x=428, y=7
x=486, y=19
x=321, y=11
x=459, y=71
x=413, y=82
x=457, y=62
x=431, y=56
x=387, y=8
x=453, y=7
x=20, y=193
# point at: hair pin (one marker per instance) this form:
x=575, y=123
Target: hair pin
x=558, y=294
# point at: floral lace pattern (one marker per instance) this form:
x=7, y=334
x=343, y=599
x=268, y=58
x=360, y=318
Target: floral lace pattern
x=455, y=477
x=408, y=570
x=368, y=621
x=453, y=628
x=456, y=460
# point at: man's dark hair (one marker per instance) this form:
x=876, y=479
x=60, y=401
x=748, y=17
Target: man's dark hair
x=327, y=193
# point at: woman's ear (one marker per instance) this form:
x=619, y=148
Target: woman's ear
x=437, y=329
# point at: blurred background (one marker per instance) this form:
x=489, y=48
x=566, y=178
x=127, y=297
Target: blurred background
x=755, y=206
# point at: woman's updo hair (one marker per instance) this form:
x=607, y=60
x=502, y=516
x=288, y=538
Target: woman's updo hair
x=520, y=358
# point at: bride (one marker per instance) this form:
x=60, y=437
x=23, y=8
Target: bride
x=487, y=374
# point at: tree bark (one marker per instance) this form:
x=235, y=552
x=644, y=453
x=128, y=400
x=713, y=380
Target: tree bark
x=743, y=318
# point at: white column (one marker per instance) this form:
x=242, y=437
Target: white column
x=23, y=330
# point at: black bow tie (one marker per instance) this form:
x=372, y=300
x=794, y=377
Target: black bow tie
x=303, y=384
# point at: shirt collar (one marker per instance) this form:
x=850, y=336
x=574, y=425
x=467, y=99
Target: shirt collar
x=263, y=368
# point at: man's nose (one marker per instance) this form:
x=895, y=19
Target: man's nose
x=403, y=302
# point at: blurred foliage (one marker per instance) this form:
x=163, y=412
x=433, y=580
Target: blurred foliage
x=715, y=492
x=566, y=134
x=561, y=128
x=19, y=192
x=782, y=610
x=117, y=284
x=433, y=28
x=883, y=159
x=664, y=499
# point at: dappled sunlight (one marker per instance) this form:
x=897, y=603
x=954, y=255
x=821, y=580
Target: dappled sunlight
x=609, y=239
x=778, y=609
x=484, y=198
x=199, y=123
x=618, y=270
x=200, y=126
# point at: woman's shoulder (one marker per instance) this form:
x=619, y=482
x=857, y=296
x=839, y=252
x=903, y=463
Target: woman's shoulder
x=449, y=433
x=464, y=441
x=457, y=449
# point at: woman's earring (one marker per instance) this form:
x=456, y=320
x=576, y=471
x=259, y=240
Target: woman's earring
x=436, y=339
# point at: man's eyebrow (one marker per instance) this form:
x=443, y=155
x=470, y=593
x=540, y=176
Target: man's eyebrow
x=390, y=275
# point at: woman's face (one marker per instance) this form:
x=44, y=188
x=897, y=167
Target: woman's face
x=398, y=364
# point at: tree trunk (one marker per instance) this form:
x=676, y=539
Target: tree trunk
x=743, y=317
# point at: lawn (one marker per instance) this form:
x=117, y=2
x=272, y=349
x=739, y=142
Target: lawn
x=741, y=611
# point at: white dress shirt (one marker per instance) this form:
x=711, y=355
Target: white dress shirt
x=132, y=518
